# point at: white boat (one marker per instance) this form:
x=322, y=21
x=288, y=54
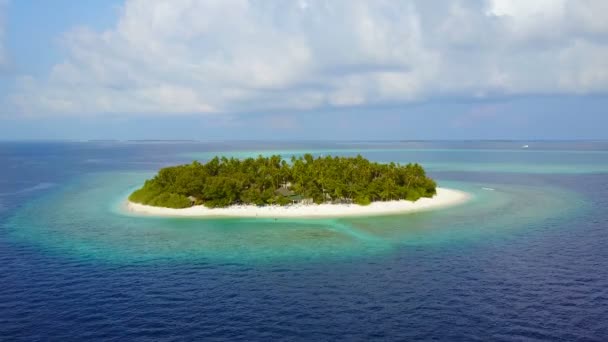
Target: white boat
x=525, y=146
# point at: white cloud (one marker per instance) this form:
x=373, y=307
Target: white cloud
x=187, y=56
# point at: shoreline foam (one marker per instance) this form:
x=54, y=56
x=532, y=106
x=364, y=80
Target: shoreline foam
x=443, y=198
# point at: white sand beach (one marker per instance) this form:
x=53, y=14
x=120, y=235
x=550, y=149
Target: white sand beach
x=443, y=198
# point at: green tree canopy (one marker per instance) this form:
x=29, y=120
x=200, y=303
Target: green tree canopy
x=271, y=180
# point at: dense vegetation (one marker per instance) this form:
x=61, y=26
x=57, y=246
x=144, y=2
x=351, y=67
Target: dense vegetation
x=222, y=182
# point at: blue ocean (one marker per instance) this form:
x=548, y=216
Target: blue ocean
x=526, y=259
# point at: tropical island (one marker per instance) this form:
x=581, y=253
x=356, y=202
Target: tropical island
x=304, y=186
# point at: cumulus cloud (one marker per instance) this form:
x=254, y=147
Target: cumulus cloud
x=187, y=56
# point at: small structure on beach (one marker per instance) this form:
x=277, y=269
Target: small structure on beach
x=292, y=196
x=284, y=191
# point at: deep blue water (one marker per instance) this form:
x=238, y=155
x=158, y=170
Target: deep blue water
x=527, y=261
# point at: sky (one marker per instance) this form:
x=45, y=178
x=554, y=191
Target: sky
x=303, y=69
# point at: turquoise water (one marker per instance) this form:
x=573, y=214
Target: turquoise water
x=87, y=218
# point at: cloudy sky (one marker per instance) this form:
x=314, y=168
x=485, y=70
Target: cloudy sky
x=304, y=69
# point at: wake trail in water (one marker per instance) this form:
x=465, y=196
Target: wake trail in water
x=39, y=186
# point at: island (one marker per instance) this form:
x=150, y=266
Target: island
x=303, y=186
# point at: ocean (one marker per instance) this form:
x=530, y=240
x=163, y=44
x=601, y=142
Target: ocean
x=525, y=259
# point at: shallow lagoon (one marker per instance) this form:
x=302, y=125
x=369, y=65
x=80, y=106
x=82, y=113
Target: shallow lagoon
x=88, y=218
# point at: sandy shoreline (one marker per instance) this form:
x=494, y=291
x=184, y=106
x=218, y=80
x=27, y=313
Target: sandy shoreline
x=444, y=198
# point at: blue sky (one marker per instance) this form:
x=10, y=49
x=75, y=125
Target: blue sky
x=306, y=69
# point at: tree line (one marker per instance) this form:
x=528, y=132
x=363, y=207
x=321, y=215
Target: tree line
x=223, y=182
